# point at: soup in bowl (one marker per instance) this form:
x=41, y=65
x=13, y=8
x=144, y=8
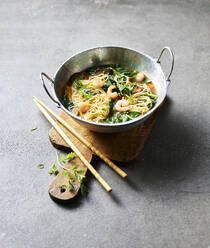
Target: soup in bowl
x=110, y=89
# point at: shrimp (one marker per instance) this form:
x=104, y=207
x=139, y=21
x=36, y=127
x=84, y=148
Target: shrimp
x=122, y=105
x=98, y=82
x=111, y=94
x=83, y=107
x=140, y=77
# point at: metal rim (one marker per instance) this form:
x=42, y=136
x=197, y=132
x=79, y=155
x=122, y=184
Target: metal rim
x=145, y=116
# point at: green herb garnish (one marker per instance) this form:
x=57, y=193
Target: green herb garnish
x=68, y=157
x=60, y=161
x=67, y=102
x=62, y=186
x=108, y=82
x=151, y=95
x=122, y=117
x=79, y=85
x=64, y=172
x=122, y=71
x=88, y=93
x=40, y=166
x=78, y=175
x=53, y=170
x=33, y=128
x=75, y=166
x=84, y=90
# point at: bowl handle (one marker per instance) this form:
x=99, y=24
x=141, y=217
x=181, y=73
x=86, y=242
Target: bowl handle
x=42, y=75
x=172, y=61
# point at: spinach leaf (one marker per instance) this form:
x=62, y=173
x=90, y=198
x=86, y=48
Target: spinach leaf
x=122, y=71
x=107, y=84
x=133, y=115
x=111, y=107
x=67, y=102
x=122, y=117
x=80, y=85
x=84, y=90
x=152, y=96
x=123, y=89
x=87, y=93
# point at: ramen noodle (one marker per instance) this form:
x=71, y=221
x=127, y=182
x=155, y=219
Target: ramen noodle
x=109, y=94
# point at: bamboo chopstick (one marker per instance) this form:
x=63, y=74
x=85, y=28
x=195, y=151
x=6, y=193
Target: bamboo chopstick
x=74, y=148
x=84, y=141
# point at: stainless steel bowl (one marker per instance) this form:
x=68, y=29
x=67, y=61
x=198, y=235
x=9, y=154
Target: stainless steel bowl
x=110, y=55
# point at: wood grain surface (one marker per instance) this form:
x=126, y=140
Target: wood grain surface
x=55, y=191
x=122, y=147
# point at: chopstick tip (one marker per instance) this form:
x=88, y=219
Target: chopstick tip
x=125, y=176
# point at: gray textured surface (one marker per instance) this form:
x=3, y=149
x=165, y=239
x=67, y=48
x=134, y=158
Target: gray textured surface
x=167, y=200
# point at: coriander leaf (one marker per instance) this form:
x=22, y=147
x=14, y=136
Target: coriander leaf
x=61, y=186
x=71, y=177
x=79, y=176
x=40, y=166
x=70, y=186
x=75, y=166
x=54, y=167
x=61, y=158
x=33, y=128
x=64, y=172
x=70, y=156
x=81, y=171
x=53, y=170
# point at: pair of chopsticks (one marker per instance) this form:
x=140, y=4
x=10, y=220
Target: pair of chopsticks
x=44, y=110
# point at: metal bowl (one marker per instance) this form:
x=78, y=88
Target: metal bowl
x=104, y=56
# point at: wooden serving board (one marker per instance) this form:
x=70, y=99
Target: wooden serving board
x=122, y=147
x=64, y=194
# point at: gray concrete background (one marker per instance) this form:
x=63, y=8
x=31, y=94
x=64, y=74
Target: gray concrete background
x=166, y=202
